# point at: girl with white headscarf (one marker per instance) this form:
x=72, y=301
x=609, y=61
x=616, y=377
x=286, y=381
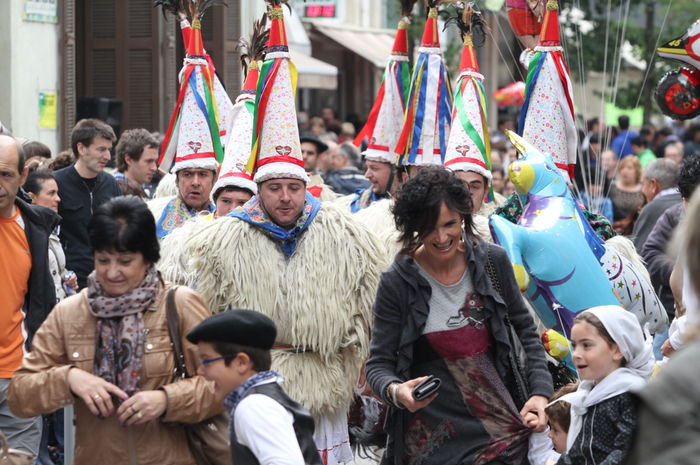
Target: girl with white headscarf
x=612, y=358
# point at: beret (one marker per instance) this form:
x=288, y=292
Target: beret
x=320, y=145
x=243, y=327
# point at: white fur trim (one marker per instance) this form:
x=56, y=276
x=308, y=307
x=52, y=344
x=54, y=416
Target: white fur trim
x=398, y=58
x=197, y=163
x=280, y=170
x=430, y=50
x=273, y=55
x=471, y=167
x=195, y=61
x=470, y=74
x=379, y=155
x=234, y=181
x=549, y=49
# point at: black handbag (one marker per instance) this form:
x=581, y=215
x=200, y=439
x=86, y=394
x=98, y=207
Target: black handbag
x=208, y=440
x=517, y=355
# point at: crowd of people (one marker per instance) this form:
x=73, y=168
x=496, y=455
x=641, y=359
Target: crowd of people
x=102, y=230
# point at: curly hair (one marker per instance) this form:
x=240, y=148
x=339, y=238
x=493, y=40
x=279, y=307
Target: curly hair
x=688, y=175
x=419, y=200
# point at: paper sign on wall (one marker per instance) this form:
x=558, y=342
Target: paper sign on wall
x=45, y=11
x=47, y=109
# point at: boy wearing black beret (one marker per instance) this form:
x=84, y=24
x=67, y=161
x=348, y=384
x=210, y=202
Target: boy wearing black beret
x=266, y=425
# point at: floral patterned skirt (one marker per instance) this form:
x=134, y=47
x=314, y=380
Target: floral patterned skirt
x=473, y=420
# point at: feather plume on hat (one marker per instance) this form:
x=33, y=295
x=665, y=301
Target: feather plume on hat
x=198, y=125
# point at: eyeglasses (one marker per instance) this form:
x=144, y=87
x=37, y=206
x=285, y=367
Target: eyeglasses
x=207, y=362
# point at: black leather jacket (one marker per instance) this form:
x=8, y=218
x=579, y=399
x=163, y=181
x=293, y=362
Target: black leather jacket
x=39, y=223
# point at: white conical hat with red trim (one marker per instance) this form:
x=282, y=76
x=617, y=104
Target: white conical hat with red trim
x=239, y=138
x=427, y=119
x=193, y=138
x=547, y=118
x=463, y=151
x=385, y=122
x=276, y=150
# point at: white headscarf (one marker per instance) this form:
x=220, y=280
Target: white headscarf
x=624, y=329
x=690, y=298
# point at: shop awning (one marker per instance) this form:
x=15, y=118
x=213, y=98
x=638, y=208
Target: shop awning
x=374, y=47
x=314, y=73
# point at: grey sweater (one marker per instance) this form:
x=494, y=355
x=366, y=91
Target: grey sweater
x=400, y=313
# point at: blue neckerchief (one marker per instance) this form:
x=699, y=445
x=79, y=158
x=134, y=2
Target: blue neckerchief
x=253, y=213
x=364, y=198
x=174, y=215
x=234, y=398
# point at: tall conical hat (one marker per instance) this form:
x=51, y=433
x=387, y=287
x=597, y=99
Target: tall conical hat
x=193, y=138
x=385, y=121
x=427, y=119
x=468, y=148
x=547, y=116
x=240, y=120
x=276, y=150
x=223, y=102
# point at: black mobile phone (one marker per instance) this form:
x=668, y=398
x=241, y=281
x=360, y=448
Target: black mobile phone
x=426, y=388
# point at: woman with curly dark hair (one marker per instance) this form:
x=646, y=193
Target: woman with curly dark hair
x=439, y=312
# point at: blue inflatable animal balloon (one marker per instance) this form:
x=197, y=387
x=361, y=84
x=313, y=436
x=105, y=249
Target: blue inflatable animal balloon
x=549, y=248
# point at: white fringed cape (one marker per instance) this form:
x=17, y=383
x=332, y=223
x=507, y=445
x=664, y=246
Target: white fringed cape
x=166, y=186
x=320, y=297
x=173, y=263
x=378, y=218
x=158, y=204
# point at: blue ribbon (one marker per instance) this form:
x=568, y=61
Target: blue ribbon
x=200, y=103
x=420, y=111
x=528, y=93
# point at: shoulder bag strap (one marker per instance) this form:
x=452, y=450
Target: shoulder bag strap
x=173, y=321
x=491, y=271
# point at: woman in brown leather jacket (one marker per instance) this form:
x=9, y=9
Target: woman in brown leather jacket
x=107, y=349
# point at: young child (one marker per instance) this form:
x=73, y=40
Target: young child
x=266, y=426
x=551, y=443
x=559, y=417
x=612, y=358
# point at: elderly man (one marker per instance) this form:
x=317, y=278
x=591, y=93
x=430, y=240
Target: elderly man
x=661, y=191
x=310, y=266
x=194, y=186
x=345, y=178
x=659, y=262
x=27, y=292
x=84, y=186
x=674, y=151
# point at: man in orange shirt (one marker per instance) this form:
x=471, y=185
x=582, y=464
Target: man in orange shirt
x=27, y=293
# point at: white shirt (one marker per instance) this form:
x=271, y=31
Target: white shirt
x=267, y=429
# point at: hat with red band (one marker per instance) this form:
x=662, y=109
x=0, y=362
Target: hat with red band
x=240, y=120
x=468, y=148
x=276, y=149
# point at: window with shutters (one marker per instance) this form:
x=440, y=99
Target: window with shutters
x=119, y=57
x=125, y=50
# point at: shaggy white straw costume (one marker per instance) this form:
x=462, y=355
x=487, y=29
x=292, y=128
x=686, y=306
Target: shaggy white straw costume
x=320, y=297
x=317, y=281
x=173, y=261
